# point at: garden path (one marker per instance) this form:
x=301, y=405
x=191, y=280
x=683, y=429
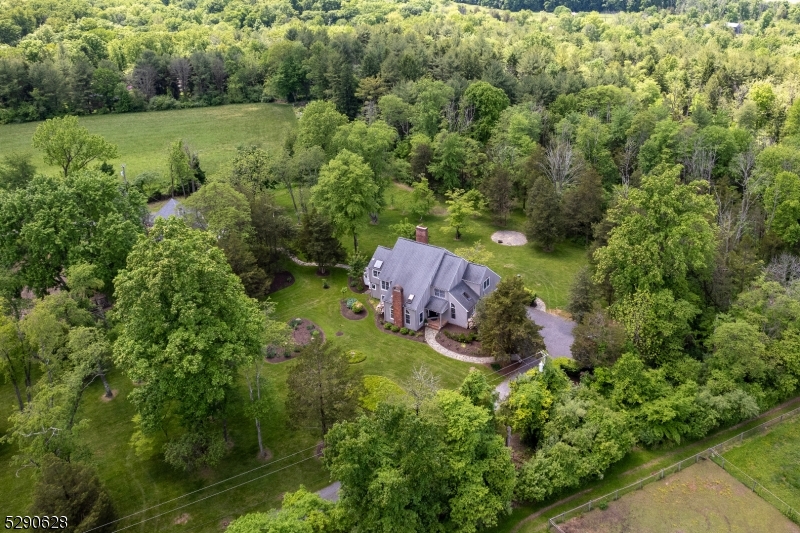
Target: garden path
x=430, y=338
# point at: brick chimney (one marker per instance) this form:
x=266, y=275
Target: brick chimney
x=397, y=305
x=422, y=234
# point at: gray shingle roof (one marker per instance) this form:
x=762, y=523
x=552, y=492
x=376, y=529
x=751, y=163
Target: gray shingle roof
x=171, y=208
x=465, y=296
x=417, y=267
x=437, y=305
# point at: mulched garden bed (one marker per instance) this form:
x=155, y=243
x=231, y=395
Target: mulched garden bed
x=472, y=349
x=281, y=281
x=301, y=335
x=360, y=288
x=349, y=314
x=419, y=335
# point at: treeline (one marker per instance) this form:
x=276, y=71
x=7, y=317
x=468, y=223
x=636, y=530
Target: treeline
x=74, y=58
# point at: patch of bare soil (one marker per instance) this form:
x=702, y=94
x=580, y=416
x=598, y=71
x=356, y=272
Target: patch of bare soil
x=349, y=314
x=303, y=334
x=360, y=288
x=105, y=398
x=472, y=348
x=319, y=448
x=181, y=520
x=266, y=456
x=281, y=281
x=225, y=522
x=339, y=333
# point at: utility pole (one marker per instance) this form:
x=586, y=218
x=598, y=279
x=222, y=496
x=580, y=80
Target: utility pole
x=124, y=178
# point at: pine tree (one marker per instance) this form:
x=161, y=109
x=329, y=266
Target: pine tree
x=544, y=214
x=74, y=491
x=318, y=242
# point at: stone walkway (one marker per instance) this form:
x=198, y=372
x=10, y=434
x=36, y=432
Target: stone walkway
x=430, y=338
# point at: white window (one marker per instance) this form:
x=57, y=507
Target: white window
x=408, y=316
x=391, y=313
x=373, y=286
x=439, y=293
x=452, y=311
x=384, y=285
x=376, y=273
x=421, y=318
x=486, y=284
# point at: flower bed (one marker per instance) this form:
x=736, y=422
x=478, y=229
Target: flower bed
x=460, y=340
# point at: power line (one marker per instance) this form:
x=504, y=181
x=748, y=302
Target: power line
x=202, y=489
x=212, y=495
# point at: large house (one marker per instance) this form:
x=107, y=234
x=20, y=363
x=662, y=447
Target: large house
x=418, y=283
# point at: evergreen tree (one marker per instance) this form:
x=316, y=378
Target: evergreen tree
x=544, y=214
x=73, y=491
x=318, y=242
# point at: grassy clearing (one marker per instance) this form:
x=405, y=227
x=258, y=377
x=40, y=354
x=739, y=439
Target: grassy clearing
x=549, y=274
x=702, y=498
x=142, y=138
x=773, y=459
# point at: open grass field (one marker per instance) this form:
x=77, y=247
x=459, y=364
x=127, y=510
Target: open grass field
x=549, y=274
x=700, y=499
x=773, y=459
x=142, y=138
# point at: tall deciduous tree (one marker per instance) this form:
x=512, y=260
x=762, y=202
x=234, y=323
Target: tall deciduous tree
x=186, y=326
x=422, y=199
x=323, y=387
x=318, y=243
x=346, y=193
x=318, y=125
x=53, y=223
x=69, y=145
x=544, y=225
x=16, y=170
x=503, y=323
x=461, y=208
x=443, y=469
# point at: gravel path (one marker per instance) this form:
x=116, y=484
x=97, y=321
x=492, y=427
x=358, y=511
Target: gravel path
x=430, y=338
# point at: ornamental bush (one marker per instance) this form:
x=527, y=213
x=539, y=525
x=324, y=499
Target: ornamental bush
x=358, y=307
x=404, y=331
x=349, y=303
x=387, y=325
x=395, y=328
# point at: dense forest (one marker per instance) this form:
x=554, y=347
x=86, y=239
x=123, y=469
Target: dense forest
x=664, y=139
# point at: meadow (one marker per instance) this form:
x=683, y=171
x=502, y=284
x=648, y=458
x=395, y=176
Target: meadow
x=143, y=138
x=773, y=459
x=703, y=498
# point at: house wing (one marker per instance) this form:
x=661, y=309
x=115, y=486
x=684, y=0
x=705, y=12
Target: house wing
x=413, y=266
x=464, y=295
x=447, y=276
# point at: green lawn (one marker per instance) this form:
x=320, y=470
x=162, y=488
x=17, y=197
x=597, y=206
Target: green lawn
x=136, y=483
x=549, y=274
x=142, y=138
x=703, y=498
x=773, y=459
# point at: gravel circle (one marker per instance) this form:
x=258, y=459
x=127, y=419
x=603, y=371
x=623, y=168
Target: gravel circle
x=509, y=238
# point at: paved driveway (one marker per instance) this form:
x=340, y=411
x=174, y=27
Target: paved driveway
x=557, y=335
x=331, y=492
x=556, y=331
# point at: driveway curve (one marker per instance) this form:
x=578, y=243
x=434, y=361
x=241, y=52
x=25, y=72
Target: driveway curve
x=556, y=332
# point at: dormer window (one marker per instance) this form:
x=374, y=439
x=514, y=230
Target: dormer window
x=486, y=284
x=439, y=293
x=376, y=273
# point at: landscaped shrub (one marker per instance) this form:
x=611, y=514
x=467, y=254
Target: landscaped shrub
x=296, y=350
x=310, y=327
x=315, y=333
x=349, y=303
x=532, y=297
x=271, y=352
x=378, y=389
x=395, y=328
x=295, y=322
x=463, y=338
x=354, y=356
x=325, y=284
x=404, y=331
x=358, y=307
x=387, y=325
